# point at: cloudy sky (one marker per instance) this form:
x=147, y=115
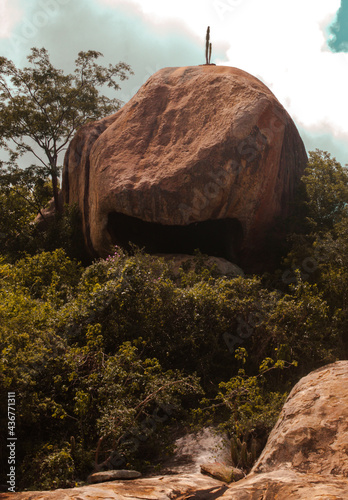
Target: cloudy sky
x=299, y=48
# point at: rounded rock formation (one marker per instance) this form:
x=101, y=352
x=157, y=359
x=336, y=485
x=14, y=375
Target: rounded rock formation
x=311, y=435
x=201, y=157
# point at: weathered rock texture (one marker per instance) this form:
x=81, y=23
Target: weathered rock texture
x=222, y=472
x=112, y=475
x=285, y=484
x=156, y=488
x=306, y=456
x=201, y=157
x=311, y=435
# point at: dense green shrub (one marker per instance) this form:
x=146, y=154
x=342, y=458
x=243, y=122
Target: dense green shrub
x=93, y=354
x=64, y=231
x=50, y=467
x=45, y=275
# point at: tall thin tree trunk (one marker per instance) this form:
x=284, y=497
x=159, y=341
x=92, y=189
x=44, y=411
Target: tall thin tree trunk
x=55, y=189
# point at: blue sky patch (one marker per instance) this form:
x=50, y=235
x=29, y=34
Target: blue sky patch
x=338, y=41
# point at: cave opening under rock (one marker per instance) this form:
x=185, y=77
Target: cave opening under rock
x=218, y=238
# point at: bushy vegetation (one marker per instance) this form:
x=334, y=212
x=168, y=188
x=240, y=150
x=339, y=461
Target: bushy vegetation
x=108, y=359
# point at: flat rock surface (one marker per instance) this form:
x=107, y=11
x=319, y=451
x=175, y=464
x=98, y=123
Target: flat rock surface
x=153, y=488
x=278, y=485
x=112, y=475
x=285, y=484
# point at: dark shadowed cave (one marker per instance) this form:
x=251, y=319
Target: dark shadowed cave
x=219, y=238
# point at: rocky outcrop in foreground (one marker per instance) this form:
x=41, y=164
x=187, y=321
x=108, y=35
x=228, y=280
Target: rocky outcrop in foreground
x=306, y=456
x=201, y=157
x=152, y=488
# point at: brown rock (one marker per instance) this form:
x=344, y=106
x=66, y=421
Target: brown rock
x=306, y=455
x=285, y=484
x=201, y=157
x=152, y=488
x=311, y=435
x=112, y=475
x=222, y=472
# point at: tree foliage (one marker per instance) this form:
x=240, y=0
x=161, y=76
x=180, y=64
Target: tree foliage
x=41, y=108
x=22, y=194
x=326, y=183
x=97, y=355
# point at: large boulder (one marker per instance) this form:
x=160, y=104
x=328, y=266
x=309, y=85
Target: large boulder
x=201, y=157
x=311, y=435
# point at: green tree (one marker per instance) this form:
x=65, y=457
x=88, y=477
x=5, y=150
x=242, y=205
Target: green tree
x=326, y=183
x=22, y=194
x=322, y=205
x=41, y=108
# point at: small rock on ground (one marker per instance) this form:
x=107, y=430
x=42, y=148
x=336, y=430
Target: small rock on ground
x=222, y=472
x=113, y=475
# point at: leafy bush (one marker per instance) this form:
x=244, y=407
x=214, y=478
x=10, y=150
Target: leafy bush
x=247, y=408
x=45, y=275
x=64, y=231
x=326, y=184
x=50, y=467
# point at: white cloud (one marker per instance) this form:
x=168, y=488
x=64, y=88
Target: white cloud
x=10, y=13
x=281, y=42
x=288, y=51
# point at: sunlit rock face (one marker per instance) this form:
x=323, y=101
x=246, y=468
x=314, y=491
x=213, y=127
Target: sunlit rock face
x=201, y=157
x=311, y=435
